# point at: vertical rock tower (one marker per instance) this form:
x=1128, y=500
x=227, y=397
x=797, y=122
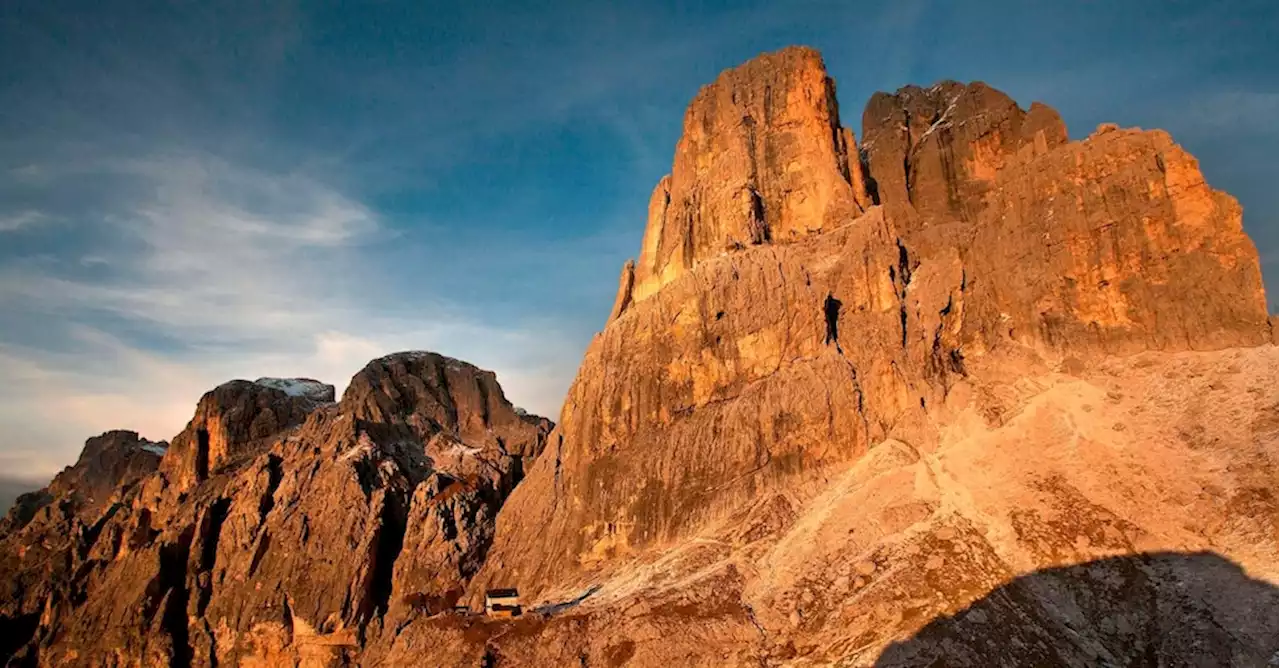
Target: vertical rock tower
x=763, y=157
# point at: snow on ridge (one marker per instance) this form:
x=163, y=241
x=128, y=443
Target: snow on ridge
x=422, y=354
x=298, y=387
x=451, y=363
x=154, y=448
x=941, y=119
x=462, y=449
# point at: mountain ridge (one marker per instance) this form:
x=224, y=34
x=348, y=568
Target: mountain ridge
x=854, y=404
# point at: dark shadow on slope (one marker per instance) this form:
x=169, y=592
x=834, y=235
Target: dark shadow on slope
x=1154, y=609
x=550, y=609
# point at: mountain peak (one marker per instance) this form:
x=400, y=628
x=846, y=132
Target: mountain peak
x=762, y=159
x=969, y=393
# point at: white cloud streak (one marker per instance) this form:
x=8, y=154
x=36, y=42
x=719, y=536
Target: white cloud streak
x=251, y=273
x=22, y=219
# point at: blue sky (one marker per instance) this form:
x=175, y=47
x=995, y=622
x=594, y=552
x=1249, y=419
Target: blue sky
x=193, y=192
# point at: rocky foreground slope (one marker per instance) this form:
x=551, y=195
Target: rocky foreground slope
x=966, y=394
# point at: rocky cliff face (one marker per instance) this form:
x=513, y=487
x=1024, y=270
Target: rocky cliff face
x=232, y=419
x=110, y=463
x=936, y=152
x=992, y=233
x=767, y=366
x=275, y=529
x=762, y=158
x=967, y=394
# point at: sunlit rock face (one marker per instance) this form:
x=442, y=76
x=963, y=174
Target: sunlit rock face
x=1112, y=243
x=280, y=528
x=233, y=419
x=763, y=158
x=815, y=421
x=966, y=394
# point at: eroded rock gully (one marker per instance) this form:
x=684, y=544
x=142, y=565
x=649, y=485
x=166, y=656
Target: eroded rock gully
x=968, y=393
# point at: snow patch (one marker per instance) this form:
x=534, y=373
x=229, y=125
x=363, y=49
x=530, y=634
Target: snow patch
x=299, y=387
x=941, y=119
x=154, y=448
x=365, y=447
x=408, y=355
x=463, y=450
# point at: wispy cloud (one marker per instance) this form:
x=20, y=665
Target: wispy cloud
x=211, y=250
x=21, y=219
x=187, y=197
x=225, y=271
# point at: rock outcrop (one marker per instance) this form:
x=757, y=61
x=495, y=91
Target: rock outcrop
x=937, y=151
x=1114, y=242
x=968, y=393
x=762, y=158
x=231, y=420
x=109, y=463
x=276, y=528
x=764, y=366
x=48, y=534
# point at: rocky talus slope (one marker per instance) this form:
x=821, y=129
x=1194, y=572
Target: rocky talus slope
x=967, y=393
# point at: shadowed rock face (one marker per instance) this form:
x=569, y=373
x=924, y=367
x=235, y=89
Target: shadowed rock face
x=852, y=405
x=22, y=498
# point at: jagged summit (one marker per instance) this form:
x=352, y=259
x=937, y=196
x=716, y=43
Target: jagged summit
x=967, y=387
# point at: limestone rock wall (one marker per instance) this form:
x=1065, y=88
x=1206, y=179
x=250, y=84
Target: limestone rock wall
x=738, y=368
x=230, y=421
x=762, y=158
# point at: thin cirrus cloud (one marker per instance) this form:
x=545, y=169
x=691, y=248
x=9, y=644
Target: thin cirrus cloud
x=21, y=219
x=195, y=194
x=221, y=271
